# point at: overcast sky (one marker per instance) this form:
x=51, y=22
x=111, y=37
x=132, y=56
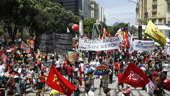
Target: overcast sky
x=119, y=11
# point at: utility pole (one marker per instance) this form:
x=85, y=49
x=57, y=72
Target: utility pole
x=81, y=26
x=81, y=23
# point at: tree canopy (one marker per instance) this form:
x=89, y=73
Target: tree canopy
x=38, y=16
x=88, y=25
x=115, y=28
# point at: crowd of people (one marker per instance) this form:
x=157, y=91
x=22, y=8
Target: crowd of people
x=23, y=67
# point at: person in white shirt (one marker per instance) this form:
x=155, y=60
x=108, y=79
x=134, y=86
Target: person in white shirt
x=57, y=63
x=82, y=67
x=2, y=69
x=89, y=93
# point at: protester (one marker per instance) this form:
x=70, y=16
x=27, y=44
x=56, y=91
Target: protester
x=76, y=84
x=116, y=67
x=126, y=91
x=70, y=72
x=22, y=67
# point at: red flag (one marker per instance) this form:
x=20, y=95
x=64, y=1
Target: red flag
x=126, y=42
x=1, y=53
x=166, y=84
x=56, y=81
x=134, y=76
x=80, y=79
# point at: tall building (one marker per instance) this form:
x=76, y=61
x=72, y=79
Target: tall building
x=101, y=14
x=96, y=11
x=168, y=17
x=72, y=5
x=75, y=6
x=89, y=8
x=85, y=8
x=168, y=13
x=154, y=10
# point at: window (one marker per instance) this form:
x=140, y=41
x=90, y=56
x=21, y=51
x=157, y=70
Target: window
x=160, y=21
x=154, y=21
x=154, y=7
x=154, y=13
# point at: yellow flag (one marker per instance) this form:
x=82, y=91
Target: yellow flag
x=153, y=32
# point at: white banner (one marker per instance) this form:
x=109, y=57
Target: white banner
x=99, y=45
x=143, y=45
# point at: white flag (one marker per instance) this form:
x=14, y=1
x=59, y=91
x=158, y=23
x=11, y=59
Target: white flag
x=131, y=49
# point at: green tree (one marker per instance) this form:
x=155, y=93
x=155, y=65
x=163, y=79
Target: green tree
x=114, y=29
x=38, y=16
x=88, y=26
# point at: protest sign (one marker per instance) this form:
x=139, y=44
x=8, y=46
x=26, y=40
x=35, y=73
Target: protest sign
x=143, y=45
x=74, y=56
x=99, y=45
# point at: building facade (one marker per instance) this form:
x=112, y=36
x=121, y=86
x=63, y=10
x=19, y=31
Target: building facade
x=168, y=13
x=154, y=10
x=87, y=8
x=101, y=14
x=72, y=5
x=96, y=11
x=168, y=17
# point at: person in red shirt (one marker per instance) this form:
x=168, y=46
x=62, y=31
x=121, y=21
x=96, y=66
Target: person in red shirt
x=70, y=73
x=42, y=82
x=119, y=75
x=116, y=67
